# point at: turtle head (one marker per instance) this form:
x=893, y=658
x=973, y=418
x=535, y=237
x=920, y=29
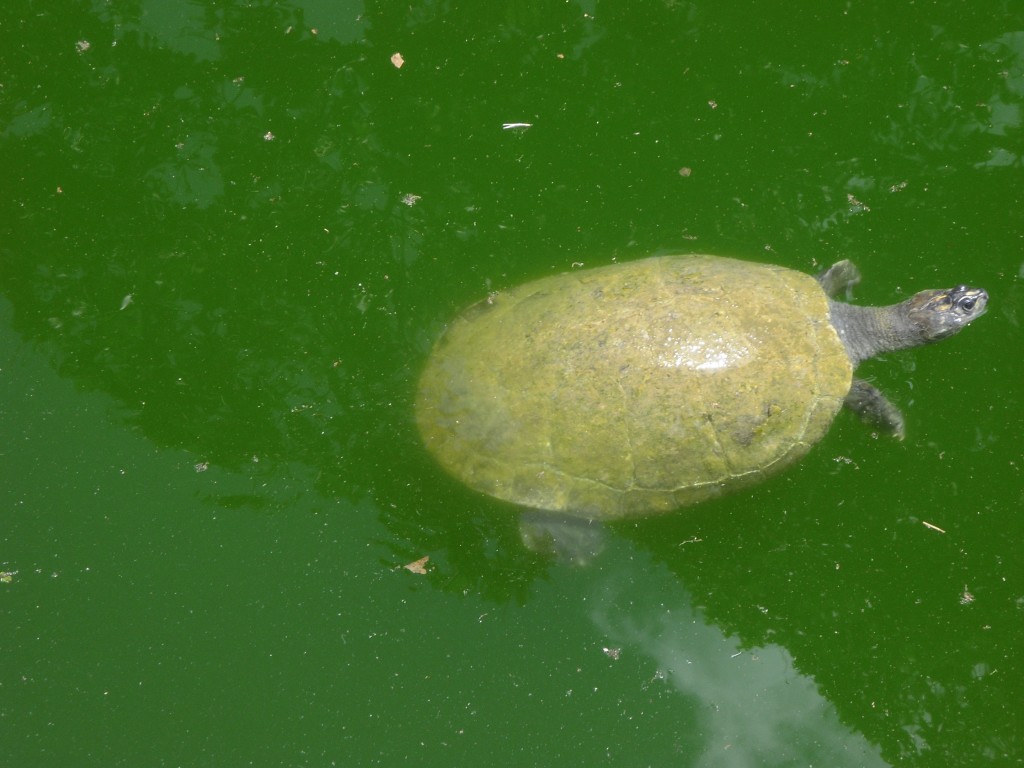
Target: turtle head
x=938, y=314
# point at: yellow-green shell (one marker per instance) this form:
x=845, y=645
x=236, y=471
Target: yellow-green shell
x=635, y=388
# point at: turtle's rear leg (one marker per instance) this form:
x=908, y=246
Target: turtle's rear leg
x=570, y=539
x=874, y=408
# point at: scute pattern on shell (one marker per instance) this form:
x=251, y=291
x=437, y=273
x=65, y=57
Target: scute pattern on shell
x=635, y=388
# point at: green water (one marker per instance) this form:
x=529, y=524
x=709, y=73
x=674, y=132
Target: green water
x=228, y=236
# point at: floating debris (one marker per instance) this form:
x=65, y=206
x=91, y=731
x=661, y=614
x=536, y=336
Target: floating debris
x=418, y=566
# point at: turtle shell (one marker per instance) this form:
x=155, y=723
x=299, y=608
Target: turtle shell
x=635, y=388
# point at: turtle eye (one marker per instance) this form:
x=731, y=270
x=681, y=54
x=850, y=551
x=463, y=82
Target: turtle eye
x=967, y=304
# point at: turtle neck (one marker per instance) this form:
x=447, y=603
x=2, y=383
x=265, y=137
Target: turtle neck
x=870, y=331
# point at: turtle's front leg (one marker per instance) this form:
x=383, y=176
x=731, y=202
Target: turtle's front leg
x=839, y=278
x=874, y=408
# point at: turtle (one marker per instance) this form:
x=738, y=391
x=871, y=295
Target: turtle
x=642, y=387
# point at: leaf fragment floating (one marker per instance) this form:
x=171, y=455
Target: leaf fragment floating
x=418, y=566
x=397, y=60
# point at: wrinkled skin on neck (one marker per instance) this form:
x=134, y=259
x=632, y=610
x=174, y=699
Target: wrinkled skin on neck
x=924, y=318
